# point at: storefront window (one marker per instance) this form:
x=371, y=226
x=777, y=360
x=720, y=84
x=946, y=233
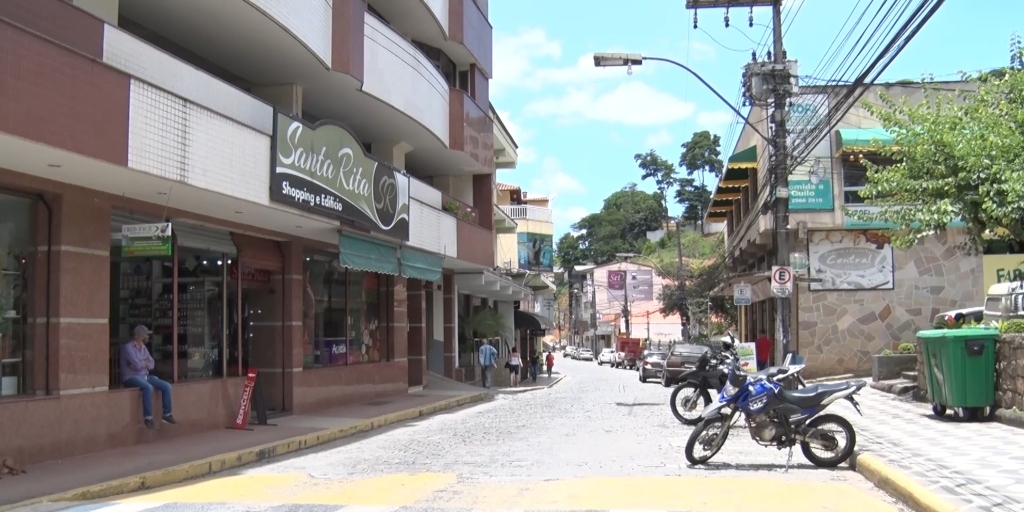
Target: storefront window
x=202, y=303
x=16, y=242
x=141, y=295
x=344, y=315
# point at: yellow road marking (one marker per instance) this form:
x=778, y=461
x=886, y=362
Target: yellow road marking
x=443, y=490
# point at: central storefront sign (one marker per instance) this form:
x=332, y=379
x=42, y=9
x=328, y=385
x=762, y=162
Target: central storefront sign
x=323, y=169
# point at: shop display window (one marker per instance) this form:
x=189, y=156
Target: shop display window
x=202, y=305
x=142, y=293
x=343, y=314
x=16, y=242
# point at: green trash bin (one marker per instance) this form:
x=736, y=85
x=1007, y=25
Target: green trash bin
x=960, y=368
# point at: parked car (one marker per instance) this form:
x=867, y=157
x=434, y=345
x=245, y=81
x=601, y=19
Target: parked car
x=585, y=354
x=652, y=365
x=607, y=356
x=682, y=357
x=569, y=351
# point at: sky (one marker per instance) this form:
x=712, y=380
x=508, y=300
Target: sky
x=578, y=127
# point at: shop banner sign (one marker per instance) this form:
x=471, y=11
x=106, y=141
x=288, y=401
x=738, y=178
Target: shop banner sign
x=245, y=403
x=747, y=353
x=850, y=260
x=536, y=252
x=321, y=168
x=810, y=183
x=146, y=240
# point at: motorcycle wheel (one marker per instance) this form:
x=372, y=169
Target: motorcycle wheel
x=697, y=435
x=676, y=405
x=842, y=455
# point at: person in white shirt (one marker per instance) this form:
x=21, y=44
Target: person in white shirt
x=514, y=364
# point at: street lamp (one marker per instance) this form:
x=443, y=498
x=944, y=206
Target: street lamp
x=628, y=60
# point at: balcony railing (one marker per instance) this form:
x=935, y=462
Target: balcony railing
x=526, y=212
x=460, y=210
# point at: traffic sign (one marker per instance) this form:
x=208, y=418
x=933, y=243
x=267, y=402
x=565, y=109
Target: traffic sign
x=782, y=281
x=742, y=294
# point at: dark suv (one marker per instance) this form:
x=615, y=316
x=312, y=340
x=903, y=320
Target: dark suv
x=682, y=357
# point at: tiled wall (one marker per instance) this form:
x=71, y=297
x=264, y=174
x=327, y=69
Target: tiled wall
x=138, y=58
x=181, y=141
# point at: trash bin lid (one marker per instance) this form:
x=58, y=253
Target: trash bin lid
x=966, y=332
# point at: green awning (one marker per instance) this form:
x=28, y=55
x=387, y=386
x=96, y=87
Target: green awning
x=746, y=159
x=851, y=140
x=738, y=168
x=421, y=265
x=358, y=253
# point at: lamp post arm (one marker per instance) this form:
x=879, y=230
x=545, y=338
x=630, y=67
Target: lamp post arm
x=716, y=93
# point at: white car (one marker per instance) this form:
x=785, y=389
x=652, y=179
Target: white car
x=607, y=356
x=585, y=354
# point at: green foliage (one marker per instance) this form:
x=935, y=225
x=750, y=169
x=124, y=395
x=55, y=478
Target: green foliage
x=620, y=226
x=1011, y=327
x=699, y=279
x=662, y=171
x=886, y=352
x=958, y=156
x=483, y=322
x=906, y=348
x=701, y=155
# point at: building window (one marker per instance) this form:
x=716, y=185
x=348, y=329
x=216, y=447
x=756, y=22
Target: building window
x=202, y=304
x=345, y=314
x=854, y=179
x=141, y=291
x=17, y=235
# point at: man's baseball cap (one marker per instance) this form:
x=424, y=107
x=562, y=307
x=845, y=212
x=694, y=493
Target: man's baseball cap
x=142, y=329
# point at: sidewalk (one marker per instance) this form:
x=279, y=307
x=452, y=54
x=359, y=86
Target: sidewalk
x=133, y=468
x=972, y=466
x=543, y=382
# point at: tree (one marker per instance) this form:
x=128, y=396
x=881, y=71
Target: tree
x=693, y=295
x=701, y=156
x=661, y=171
x=621, y=226
x=957, y=156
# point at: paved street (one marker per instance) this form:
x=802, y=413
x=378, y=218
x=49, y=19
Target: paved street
x=597, y=440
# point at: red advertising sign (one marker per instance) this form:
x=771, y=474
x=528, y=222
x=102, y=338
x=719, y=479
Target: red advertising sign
x=250, y=274
x=616, y=279
x=242, y=419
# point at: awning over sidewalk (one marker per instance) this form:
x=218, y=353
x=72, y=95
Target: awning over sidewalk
x=861, y=140
x=751, y=278
x=421, y=265
x=531, y=321
x=358, y=253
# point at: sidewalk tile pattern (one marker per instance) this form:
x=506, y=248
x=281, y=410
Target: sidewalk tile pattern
x=976, y=466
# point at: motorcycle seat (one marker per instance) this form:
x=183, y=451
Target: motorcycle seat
x=810, y=396
x=770, y=371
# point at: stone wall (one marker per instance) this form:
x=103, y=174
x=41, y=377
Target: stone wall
x=1010, y=371
x=839, y=331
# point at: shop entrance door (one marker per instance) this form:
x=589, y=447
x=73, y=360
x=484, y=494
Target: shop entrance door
x=256, y=321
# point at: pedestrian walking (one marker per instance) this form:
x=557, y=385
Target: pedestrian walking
x=534, y=365
x=550, y=360
x=762, y=349
x=514, y=364
x=488, y=356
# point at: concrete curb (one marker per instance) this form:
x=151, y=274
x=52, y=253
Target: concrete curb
x=1010, y=418
x=219, y=463
x=513, y=391
x=895, y=482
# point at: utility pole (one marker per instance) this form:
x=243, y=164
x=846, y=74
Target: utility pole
x=769, y=84
x=681, y=279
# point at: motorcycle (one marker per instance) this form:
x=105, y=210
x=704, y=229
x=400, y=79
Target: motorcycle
x=711, y=372
x=777, y=417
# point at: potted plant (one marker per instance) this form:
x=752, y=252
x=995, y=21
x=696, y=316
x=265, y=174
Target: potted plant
x=451, y=207
x=888, y=365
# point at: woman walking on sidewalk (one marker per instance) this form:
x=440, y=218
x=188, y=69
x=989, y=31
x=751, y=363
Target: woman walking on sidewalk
x=513, y=365
x=550, y=360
